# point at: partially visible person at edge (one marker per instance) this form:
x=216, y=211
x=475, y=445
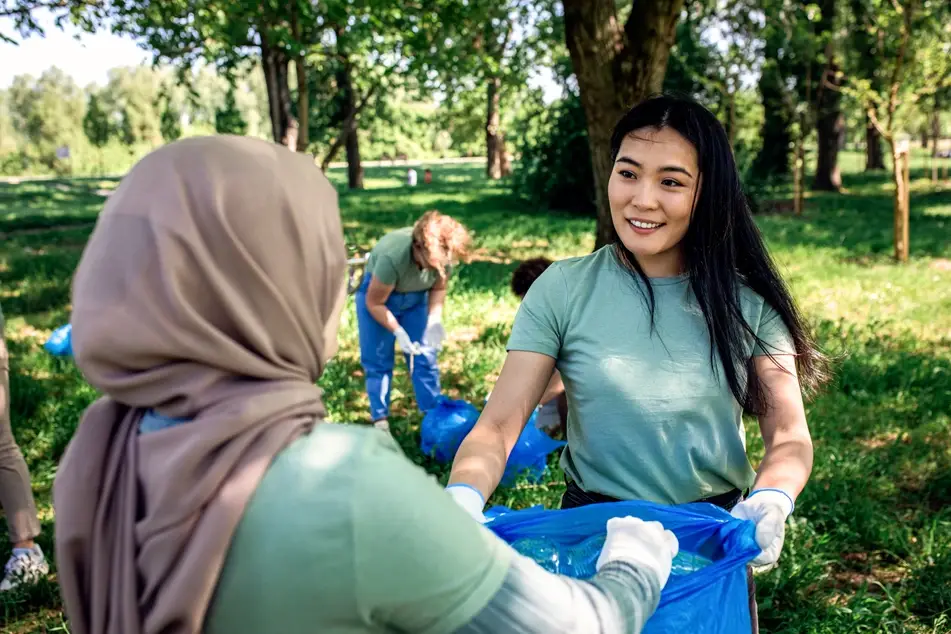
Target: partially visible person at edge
x=204, y=493
x=401, y=299
x=553, y=409
x=654, y=337
x=27, y=564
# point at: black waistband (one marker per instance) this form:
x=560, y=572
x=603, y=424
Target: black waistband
x=576, y=496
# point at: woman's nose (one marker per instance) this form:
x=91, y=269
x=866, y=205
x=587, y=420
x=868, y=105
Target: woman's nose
x=643, y=196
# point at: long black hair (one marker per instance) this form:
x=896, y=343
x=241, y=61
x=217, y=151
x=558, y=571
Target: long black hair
x=722, y=249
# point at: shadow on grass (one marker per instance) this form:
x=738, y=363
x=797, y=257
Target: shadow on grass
x=862, y=225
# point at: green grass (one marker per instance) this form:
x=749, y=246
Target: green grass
x=870, y=547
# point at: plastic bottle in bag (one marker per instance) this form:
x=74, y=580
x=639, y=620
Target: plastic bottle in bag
x=543, y=551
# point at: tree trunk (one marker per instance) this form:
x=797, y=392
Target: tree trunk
x=925, y=141
x=902, y=201
x=615, y=69
x=493, y=134
x=303, y=94
x=731, y=131
x=799, y=174
x=830, y=126
x=303, y=104
x=274, y=62
x=874, y=156
x=354, y=166
x=935, y=136
x=506, y=158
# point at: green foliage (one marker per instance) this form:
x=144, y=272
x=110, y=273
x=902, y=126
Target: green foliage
x=555, y=166
x=97, y=124
x=135, y=111
x=228, y=119
x=170, y=121
x=921, y=69
x=48, y=112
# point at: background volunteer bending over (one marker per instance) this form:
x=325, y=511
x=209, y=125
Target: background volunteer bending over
x=401, y=298
x=662, y=340
x=204, y=492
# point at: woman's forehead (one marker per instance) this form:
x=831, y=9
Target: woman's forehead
x=650, y=145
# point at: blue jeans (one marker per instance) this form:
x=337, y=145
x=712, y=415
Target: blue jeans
x=377, y=356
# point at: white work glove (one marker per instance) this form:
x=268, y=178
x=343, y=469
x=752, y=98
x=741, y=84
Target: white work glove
x=435, y=334
x=406, y=344
x=768, y=509
x=469, y=498
x=644, y=545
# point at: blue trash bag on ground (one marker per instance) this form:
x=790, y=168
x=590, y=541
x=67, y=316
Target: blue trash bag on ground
x=445, y=426
x=60, y=343
x=707, y=591
x=529, y=457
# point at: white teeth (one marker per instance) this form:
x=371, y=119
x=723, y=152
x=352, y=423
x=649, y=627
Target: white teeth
x=645, y=225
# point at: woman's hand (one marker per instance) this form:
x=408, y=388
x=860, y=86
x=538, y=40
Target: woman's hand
x=435, y=334
x=644, y=545
x=768, y=509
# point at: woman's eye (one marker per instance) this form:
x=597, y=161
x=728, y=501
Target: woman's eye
x=669, y=182
x=627, y=174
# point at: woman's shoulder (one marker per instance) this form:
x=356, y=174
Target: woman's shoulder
x=585, y=265
x=334, y=447
x=394, y=242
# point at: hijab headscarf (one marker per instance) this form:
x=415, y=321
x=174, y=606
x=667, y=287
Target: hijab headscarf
x=210, y=290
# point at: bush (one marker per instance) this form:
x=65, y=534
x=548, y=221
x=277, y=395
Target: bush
x=555, y=166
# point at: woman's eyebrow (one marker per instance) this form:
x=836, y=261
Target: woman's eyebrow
x=666, y=168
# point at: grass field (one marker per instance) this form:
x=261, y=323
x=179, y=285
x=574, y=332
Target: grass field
x=869, y=549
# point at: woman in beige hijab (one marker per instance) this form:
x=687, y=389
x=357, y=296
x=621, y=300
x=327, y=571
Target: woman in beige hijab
x=203, y=492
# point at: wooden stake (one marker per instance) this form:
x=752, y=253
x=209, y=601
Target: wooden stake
x=902, y=202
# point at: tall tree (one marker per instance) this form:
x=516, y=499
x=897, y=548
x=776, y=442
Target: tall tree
x=489, y=46
x=830, y=122
x=868, y=46
x=617, y=64
x=170, y=119
x=913, y=62
x=787, y=89
x=228, y=119
x=48, y=112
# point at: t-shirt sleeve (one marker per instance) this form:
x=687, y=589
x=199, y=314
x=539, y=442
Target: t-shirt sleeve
x=423, y=565
x=773, y=334
x=384, y=269
x=539, y=323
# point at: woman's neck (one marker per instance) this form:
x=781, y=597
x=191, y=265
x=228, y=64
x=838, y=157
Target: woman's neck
x=669, y=263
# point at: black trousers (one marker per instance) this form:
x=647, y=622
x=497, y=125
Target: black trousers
x=575, y=496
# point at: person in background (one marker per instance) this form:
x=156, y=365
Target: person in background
x=663, y=338
x=401, y=299
x=27, y=564
x=205, y=493
x=428, y=176
x=411, y=177
x=553, y=412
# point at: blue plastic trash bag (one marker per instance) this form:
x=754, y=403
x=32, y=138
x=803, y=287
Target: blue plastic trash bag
x=707, y=591
x=445, y=426
x=529, y=457
x=60, y=343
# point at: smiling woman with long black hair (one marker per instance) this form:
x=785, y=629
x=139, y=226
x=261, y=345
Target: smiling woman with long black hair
x=663, y=339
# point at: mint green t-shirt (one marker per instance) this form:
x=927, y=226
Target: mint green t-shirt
x=647, y=417
x=346, y=535
x=391, y=262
